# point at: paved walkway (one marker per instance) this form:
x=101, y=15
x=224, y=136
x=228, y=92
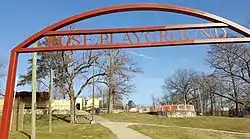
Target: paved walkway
x=120, y=129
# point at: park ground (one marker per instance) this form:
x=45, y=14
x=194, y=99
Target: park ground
x=153, y=126
x=62, y=129
x=207, y=127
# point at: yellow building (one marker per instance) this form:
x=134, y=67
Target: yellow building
x=58, y=106
x=88, y=103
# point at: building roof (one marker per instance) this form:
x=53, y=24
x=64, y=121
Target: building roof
x=39, y=95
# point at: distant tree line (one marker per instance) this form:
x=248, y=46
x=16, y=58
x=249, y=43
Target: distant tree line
x=227, y=86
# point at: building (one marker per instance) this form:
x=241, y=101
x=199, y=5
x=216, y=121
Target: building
x=42, y=99
x=24, y=98
x=88, y=103
x=58, y=106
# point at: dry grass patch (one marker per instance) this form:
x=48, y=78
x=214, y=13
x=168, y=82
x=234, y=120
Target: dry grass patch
x=179, y=133
x=63, y=130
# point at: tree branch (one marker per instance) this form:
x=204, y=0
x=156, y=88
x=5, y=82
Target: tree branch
x=87, y=82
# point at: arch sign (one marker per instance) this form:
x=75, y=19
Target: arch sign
x=213, y=32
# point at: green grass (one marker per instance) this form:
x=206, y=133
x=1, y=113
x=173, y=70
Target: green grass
x=62, y=129
x=206, y=122
x=178, y=133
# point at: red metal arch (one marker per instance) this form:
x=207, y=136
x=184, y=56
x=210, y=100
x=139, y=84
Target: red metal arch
x=5, y=124
x=134, y=7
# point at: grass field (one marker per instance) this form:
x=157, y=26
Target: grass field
x=63, y=130
x=218, y=123
x=179, y=133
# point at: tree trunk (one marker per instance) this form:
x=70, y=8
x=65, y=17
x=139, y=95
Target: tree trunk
x=214, y=105
x=206, y=106
x=185, y=97
x=113, y=100
x=72, y=110
x=211, y=103
x=103, y=98
x=236, y=96
x=110, y=106
x=237, y=108
x=234, y=89
x=197, y=109
x=221, y=106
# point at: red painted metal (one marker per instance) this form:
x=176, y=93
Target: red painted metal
x=139, y=45
x=138, y=29
x=9, y=95
x=134, y=7
x=22, y=47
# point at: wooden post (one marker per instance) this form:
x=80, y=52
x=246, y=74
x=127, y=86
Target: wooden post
x=93, y=91
x=33, y=101
x=13, y=109
x=102, y=95
x=22, y=115
x=17, y=113
x=50, y=99
x=110, y=82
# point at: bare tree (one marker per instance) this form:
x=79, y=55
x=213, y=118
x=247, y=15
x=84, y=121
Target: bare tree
x=180, y=85
x=210, y=86
x=215, y=93
x=120, y=69
x=68, y=67
x=195, y=88
x=154, y=100
x=232, y=65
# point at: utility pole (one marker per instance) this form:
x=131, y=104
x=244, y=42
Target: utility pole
x=93, y=91
x=33, y=101
x=50, y=99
